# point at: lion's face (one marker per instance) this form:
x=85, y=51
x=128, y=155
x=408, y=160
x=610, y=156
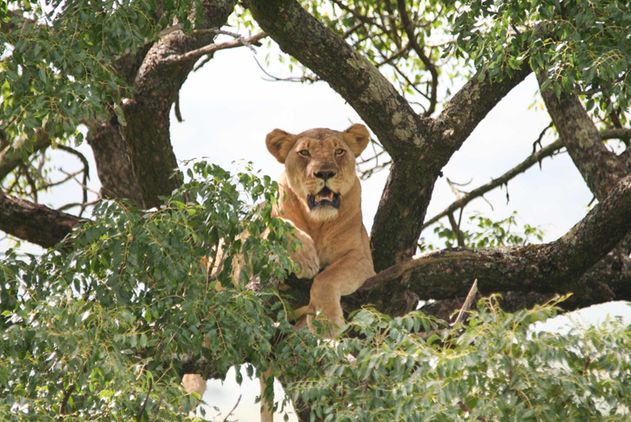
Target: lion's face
x=320, y=165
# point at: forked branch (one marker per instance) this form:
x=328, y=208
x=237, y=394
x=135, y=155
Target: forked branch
x=550, y=267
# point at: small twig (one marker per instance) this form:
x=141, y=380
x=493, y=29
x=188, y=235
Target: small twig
x=501, y=180
x=394, y=56
x=455, y=227
x=66, y=397
x=82, y=205
x=431, y=67
x=86, y=172
x=178, y=112
x=212, y=48
x=304, y=78
x=67, y=176
x=31, y=182
x=467, y=302
x=233, y=409
x=142, y=409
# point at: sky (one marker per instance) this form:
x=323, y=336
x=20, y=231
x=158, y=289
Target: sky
x=228, y=107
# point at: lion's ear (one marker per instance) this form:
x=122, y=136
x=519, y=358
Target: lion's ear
x=357, y=138
x=279, y=143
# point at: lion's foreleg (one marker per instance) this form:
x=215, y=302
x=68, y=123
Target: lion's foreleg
x=341, y=278
x=303, y=253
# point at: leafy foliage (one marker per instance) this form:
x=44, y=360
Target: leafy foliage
x=59, y=59
x=103, y=327
x=483, y=232
x=495, y=368
x=580, y=44
x=101, y=331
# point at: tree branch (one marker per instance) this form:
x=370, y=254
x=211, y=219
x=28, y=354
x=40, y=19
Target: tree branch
x=462, y=113
x=600, y=168
x=34, y=222
x=532, y=159
x=136, y=160
x=616, y=133
x=14, y=154
x=388, y=114
x=409, y=30
x=550, y=267
x=212, y=48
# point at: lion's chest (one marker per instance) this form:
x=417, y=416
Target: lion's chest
x=330, y=246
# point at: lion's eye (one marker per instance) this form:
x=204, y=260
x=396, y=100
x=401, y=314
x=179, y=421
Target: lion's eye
x=339, y=152
x=304, y=153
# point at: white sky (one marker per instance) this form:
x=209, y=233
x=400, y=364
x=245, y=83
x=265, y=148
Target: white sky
x=228, y=109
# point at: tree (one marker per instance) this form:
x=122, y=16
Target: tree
x=124, y=276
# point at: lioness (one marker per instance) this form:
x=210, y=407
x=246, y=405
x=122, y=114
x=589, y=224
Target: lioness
x=320, y=195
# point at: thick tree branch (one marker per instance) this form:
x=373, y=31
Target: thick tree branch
x=357, y=80
x=399, y=218
x=469, y=106
x=34, y=222
x=551, y=267
x=600, y=168
x=136, y=160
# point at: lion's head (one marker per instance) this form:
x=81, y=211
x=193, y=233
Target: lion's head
x=320, y=165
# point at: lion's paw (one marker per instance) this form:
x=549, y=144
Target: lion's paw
x=308, y=265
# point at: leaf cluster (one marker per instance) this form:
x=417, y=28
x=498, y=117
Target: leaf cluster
x=494, y=368
x=482, y=232
x=582, y=45
x=101, y=328
x=60, y=60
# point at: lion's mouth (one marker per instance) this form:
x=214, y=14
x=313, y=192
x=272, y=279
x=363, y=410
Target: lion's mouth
x=325, y=198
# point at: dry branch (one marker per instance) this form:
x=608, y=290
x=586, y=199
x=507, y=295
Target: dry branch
x=546, y=151
x=212, y=48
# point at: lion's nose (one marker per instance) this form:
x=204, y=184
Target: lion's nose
x=324, y=175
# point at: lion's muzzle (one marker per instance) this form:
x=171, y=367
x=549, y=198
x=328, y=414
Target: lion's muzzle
x=325, y=198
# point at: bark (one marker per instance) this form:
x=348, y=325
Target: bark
x=600, y=168
x=113, y=162
x=419, y=146
x=34, y=222
x=397, y=223
x=554, y=267
x=135, y=160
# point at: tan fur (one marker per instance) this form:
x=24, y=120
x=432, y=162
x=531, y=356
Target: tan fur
x=333, y=240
